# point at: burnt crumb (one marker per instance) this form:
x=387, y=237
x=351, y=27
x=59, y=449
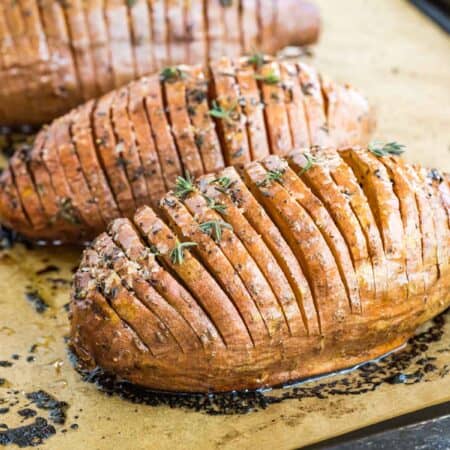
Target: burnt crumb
x=409, y=366
x=27, y=413
x=29, y=435
x=9, y=238
x=48, y=269
x=46, y=401
x=37, y=301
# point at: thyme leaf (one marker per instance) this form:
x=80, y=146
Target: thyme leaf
x=269, y=78
x=390, y=148
x=222, y=113
x=177, y=253
x=184, y=186
x=172, y=74
x=310, y=161
x=214, y=228
x=271, y=176
x=212, y=204
x=257, y=59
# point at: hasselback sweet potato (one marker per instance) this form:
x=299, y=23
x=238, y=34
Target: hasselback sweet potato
x=114, y=293
x=57, y=54
x=109, y=156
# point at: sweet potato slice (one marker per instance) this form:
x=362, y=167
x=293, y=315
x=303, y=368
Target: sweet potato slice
x=427, y=226
x=310, y=247
x=253, y=107
x=249, y=24
x=294, y=100
x=214, y=259
x=176, y=32
x=325, y=224
x=255, y=245
x=126, y=147
x=11, y=209
x=109, y=155
x=26, y=189
x=83, y=140
x=314, y=105
x=141, y=38
x=153, y=333
x=204, y=128
x=169, y=159
x=91, y=312
x=125, y=236
x=348, y=114
x=79, y=38
x=66, y=89
x=120, y=41
x=159, y=33
x=73, y=172
x=175, y=99
x=277, y=122
x=411, y=224
x=319, y=180
x=440, y=222
x=265, y=227
x=195, y=277
x=215, y=29
x=100, y=45
x=144, y=141
x=245, y=266
x=137, y=281
x=386, y=210
x=195, y=29
x=231, y=19
x=228, y=113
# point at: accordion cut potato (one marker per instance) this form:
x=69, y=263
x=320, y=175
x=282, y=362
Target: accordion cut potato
x=293, y=268
x=57, y=54
x=110, y=156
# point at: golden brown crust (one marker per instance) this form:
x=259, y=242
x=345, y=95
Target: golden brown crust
x=147, y=133
x=133, y=285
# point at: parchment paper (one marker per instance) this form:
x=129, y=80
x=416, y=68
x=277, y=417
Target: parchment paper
x=402, y=61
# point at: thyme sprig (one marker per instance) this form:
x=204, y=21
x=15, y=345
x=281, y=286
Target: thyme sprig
x=390, y=148
x=310, y=161
x=214, y=228
x=223, y=182
x=172, y=74
x=257, y=59
x=271, y=176
x=269, y=78
x=219, y=112
x=184, y=186
x=212, y=204
x=177, y=253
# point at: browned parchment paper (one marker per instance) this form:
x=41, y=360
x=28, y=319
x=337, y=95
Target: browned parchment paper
x=401, y=60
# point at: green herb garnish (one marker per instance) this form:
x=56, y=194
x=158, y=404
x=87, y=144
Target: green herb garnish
x=270, y=78
x=184, y=186
x=212, y=204
x=381, y=149
x=172, y=74
x=214, y=228
x=177, y=253
x=222, y=113
x=310, y=161
x=271, y=175
x=257, y=59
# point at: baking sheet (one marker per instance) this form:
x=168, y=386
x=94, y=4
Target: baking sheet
x=400, y=59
